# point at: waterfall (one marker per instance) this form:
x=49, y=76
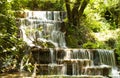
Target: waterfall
x=68, y=53
x=52, y=56
x=23, y=34
x=107, y=57
x=41, y=27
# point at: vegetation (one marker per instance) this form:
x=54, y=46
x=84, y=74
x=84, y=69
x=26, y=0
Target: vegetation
x=10, y=45
x=85, y=19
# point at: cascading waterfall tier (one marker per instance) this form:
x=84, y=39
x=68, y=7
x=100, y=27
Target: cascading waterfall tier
x=43, y=26
x=75, y=61
x=39, y=29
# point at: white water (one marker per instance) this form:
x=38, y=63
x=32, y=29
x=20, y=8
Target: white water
x=44, y=26
x=52, y=56
x=115, y=73
x=107, y=57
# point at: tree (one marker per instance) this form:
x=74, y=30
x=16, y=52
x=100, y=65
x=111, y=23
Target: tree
x=76, y=31
x=74, y=14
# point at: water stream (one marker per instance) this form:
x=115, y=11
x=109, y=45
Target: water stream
x=58, y=61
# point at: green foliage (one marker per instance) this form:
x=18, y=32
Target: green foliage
x=94, y=17
x=9, y=63
x=56, y=5
x=111, y=43
x=26, y=64
x=112, y=15
x=4, y=6
x=97, y=17
x=8, y=31
x=46, y=5
x=19, y=4
x=96, y=45
x=90, y=45
x=10, y=44
x=76, y=37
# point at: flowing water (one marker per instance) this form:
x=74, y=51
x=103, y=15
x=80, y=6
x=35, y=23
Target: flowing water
x=43, y=26
x=38, y=28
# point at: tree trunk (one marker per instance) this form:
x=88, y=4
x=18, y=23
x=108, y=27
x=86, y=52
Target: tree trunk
x=76, y=34
x=74, y=14
x=68, y=11
x=82, y=8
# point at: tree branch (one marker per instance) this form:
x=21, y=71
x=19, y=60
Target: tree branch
x=76, y=6
x=68, y=10
x=83, y=6
x=75, y=11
